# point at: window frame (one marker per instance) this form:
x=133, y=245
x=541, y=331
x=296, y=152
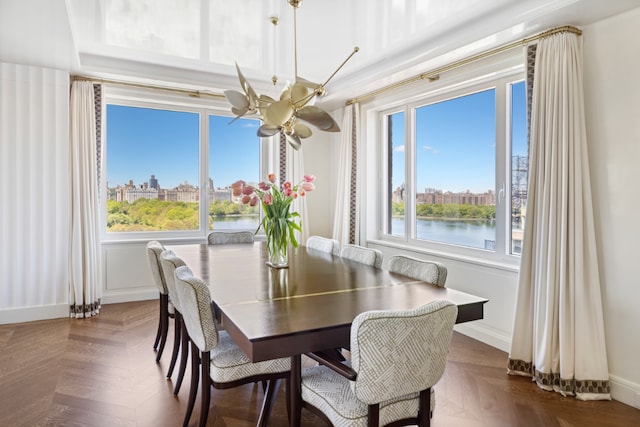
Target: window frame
x=500, y=74
x=173, y=101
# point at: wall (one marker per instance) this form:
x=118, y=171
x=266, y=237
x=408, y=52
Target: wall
x=34, y=183
x=612, y=108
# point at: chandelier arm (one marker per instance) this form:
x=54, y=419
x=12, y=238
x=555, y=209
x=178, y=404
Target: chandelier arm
x=355, y=49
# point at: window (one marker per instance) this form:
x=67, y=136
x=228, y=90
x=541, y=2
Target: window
x=168, y=168
x=233, y=154
x=446, y=169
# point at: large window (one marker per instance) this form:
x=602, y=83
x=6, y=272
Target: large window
x=450, y=160
x=168, y=169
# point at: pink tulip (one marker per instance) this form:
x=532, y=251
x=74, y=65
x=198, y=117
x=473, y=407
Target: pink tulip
x=237, y=187
x=254, y=201
x=302, y=192
x=309, y=178
x=287, y=191
x=264, y=186
x=267, y=199
x=271, y=177
x=295, y=196
x=247, y=190
x=308, y=186
x=246, y=199
x=287, y=185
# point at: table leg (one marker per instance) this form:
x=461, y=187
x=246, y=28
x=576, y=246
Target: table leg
x=296, y=405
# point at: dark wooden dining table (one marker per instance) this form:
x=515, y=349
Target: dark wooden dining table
x=306, y=307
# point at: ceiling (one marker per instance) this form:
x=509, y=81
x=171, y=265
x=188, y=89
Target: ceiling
x=194, y=43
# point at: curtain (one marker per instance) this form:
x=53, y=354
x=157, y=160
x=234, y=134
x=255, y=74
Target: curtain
x=558, y=335
x=295, y=174
x=84, y=258
x=346, y=222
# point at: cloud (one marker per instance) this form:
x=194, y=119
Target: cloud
x=399, y=149
x=429, y=148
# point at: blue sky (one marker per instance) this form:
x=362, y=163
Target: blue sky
x=455, y=145
x=144, y=142
x=455, y=142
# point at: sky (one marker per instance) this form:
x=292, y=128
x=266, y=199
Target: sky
x=144, y=142
x=455, y=145
x=456, y=142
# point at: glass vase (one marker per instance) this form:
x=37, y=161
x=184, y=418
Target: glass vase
x=277, y=249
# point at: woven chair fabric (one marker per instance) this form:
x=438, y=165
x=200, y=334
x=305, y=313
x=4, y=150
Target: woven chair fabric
x=229, y=237
x=154, y=250
x=427, y=271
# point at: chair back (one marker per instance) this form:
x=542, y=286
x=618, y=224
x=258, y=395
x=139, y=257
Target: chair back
x=196, y=309
x=323, y=244
x=362, y=255
x=427, y=271
x=399, y=352
x=154, y=250
x=228, y=237
x=169, y=262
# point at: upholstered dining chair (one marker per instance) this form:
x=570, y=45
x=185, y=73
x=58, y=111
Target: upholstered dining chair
x=427, y=271
x=323, y=244
x=228, y=237
x=221, y=363
x=362, y=255
x=154, y=250
x=396, y=358
x=169, y=262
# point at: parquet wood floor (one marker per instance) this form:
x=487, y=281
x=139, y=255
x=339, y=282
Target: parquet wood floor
x=102, y=372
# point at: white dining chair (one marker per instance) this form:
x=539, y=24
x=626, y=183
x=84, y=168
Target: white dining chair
x=323, y=244
x=169, y=262
x=154, y=250
x=221, y=363
x=427, y=271
x=362, y=255
x=229, y=237
x=397, y=356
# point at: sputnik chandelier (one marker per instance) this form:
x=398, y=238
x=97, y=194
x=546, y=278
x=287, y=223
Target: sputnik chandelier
x=294, y=106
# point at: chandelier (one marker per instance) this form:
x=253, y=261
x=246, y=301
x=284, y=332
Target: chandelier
x=291, y=113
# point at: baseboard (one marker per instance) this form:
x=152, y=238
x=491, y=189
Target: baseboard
x=625, y=391
x=31, y=314
x=486, y=335
x=114, y=297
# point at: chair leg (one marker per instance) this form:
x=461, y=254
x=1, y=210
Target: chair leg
x=205, y=381
x=163, y=324
x=267, y=403
x=373, y=419
x=159, y=333
x=424, y=413
x=177, y=329
x=195, y=378
x=184, y=356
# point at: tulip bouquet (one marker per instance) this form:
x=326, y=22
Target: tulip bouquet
x=279, y=222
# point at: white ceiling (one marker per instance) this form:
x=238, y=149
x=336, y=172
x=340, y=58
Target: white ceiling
x=194, y=43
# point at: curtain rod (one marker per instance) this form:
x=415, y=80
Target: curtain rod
x=435, y=74
x=192, y=93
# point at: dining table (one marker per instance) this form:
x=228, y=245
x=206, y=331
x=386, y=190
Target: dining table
x=306, y=307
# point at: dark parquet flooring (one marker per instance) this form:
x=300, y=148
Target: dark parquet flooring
x=102, y=372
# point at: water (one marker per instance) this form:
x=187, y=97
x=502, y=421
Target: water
x=473, y=233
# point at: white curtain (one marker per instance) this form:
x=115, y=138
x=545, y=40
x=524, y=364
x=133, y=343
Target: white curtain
x=84, y=258
x=295, y=174
x=558, y=335
x=346, y=221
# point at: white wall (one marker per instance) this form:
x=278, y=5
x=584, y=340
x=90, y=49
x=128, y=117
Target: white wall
x=612, y=108
x=34, y=183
